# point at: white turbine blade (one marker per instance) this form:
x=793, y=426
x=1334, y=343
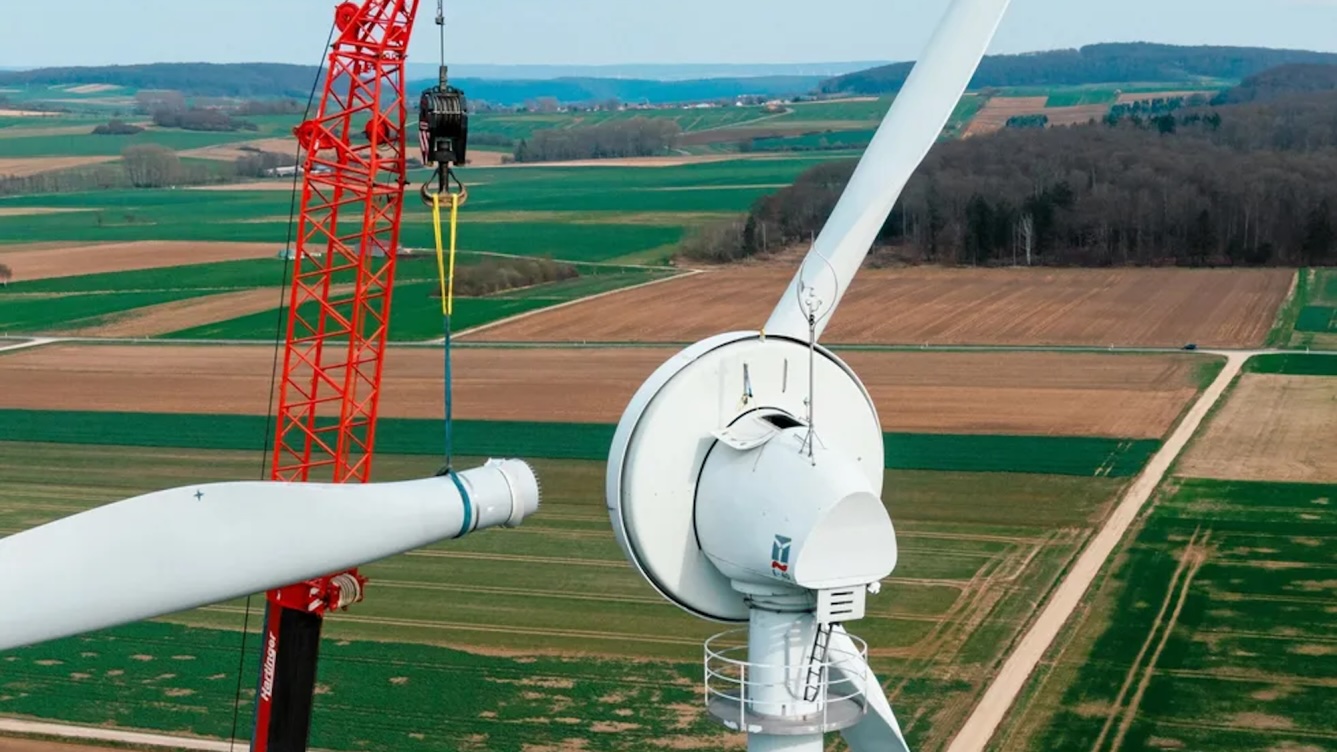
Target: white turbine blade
x=878, y=731
x=910, y=129
x=175, y=550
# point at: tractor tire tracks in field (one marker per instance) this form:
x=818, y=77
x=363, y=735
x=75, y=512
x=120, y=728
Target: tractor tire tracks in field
x=1175, y=594
x=1000, y=695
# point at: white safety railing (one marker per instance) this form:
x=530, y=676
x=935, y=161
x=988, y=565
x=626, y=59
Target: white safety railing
x=809, y=694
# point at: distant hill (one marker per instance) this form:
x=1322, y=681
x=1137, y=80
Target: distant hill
x=1095, y=64
x=1299, y=78
x=195, y=79
x=294, y=81
x=647, y=71
x=581, y=90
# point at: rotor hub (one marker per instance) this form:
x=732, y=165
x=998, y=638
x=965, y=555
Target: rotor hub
x=686, y=410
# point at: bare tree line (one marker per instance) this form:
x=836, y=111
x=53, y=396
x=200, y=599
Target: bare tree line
x=615, y=139
x=1255, y=186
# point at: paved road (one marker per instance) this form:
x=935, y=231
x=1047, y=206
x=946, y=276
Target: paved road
x=1000, y=695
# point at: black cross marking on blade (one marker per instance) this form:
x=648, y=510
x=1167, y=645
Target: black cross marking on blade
x=199, y=495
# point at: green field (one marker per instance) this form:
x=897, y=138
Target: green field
x=1309, y=320
x=1039, y=455
x=595, y=197
x=555, y=597
x=586, y=216
x=67, y=303
x=1213, y=630
x=1293, y=364
x=1079, y=97
x=41, y=313
x=416, y=316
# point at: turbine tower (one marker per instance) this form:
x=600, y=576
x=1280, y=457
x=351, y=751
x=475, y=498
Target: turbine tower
x=744, y=481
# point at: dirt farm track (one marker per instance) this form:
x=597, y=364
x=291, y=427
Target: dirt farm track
x=927, y=305
x=1131, y=396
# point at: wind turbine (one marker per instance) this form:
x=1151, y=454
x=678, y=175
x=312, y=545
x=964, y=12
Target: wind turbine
x=174, y=550
x=745, y=476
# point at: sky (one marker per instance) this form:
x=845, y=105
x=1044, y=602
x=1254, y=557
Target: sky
x=599, y=32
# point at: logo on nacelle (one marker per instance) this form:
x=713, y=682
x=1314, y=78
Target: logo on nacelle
x=780, y=557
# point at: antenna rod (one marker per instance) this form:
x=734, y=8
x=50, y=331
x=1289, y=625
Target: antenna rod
x=441, y=25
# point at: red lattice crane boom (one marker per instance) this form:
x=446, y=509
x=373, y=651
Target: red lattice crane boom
x=343, y=271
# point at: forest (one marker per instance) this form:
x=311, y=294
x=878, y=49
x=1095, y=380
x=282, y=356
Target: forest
x=1243, y=184
x=1095, y=64
x=614, y=139
x=1282, y=81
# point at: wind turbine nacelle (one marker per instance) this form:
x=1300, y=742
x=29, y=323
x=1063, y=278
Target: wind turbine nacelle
x=784, y=511
x=733, y=390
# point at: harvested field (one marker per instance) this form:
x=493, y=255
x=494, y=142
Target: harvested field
x=1272, y=428
x=28, y=113
x=480, y=158
x=27, y=166
x=92, y=88
x=929, y=305
x=990, y=393
x=1080, y=115
x=235, y=151
x=34, y=211
x=152, y=321
x=995, y=114
x=73, y=259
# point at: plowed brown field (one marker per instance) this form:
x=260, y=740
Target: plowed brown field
x=151, y=321
x=73, y=259
x=1079, y=115
x=1013, y=393
x=997, y=111
x=925, y=305
x=25, y=166
x=235, y=151
x=1272, y=428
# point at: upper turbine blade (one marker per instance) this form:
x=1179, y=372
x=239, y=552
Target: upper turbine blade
x=174, y=550
x=878, y=731
x=910, y=129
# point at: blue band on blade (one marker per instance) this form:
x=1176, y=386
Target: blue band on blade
x=468, y=506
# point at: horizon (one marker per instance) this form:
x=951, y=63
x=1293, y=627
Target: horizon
x=610, y=32
x=851, y=64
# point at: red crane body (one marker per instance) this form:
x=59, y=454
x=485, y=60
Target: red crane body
x=343, y=270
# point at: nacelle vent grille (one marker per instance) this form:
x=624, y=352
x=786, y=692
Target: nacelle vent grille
x=841, y=605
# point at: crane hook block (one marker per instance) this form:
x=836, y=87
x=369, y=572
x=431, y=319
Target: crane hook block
x=443, y=125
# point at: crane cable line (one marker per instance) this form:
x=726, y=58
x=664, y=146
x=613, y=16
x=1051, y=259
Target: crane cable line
x=445, y=264
x=289, y=258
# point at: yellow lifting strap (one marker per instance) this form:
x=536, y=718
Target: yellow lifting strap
x=446, y=268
